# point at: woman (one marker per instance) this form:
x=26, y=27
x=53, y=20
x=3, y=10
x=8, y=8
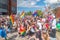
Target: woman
x=39, y=25
x=31, y=31
x=45, y=31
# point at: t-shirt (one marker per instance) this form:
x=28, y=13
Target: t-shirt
x=50, y=18
x=47, y=25
x=32, y=30
x=39, y=25
x=54, y=24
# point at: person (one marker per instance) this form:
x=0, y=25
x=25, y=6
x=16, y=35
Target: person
x=45, y=34
x=15, y=26
x=39, y=24
x=38, y=35
x=30, y=28
x=8, y=29
x=54, y=28
x=44, y=31
x=22, y=30
x=3, y=33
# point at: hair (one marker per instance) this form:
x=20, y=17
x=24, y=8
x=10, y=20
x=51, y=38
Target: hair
x=47, y=21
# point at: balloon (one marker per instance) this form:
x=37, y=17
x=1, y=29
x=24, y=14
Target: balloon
x=58, y=25
x=3, y=33
x=0, y=32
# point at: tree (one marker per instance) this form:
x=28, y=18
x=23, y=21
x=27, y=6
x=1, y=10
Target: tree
x=28, y=13
x=39, y=13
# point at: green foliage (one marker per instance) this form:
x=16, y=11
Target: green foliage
x=28, y=13
x=39, y=13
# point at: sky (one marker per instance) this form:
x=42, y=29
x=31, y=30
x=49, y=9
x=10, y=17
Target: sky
x=32, y=5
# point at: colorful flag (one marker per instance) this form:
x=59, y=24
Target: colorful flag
x=22, y=30
x=35, y=14
x=12, y=19
x=3, y=33
x=22, y=15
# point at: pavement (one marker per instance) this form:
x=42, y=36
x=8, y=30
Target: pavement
x=14, y=36
x=57, y=35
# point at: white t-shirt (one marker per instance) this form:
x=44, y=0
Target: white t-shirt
x=32, y=30
x=54, y=24
x=39, y=25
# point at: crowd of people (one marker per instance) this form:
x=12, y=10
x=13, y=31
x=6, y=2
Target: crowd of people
x=39, y=27
x=36, y=28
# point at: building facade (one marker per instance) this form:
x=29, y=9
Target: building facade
x=3, y=6
x=8, y=7
x=58, y=12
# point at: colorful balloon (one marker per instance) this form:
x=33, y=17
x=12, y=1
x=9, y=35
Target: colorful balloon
x=58, y=25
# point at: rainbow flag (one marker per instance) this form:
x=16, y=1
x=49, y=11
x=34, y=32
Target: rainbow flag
x=23, y=33
x=22, y=15
x=12, y=19
x=22, y=30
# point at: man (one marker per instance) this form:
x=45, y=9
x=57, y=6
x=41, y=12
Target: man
x=39, y=24
x=54, y=28
x=3, y=33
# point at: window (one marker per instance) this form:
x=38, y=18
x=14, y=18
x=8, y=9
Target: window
x=4, y=6
x=15, y=1
x=14, y=9
x=0, y=5
x=4, y=1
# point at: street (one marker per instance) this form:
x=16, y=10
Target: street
x=58, y=35
x=14, y=36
